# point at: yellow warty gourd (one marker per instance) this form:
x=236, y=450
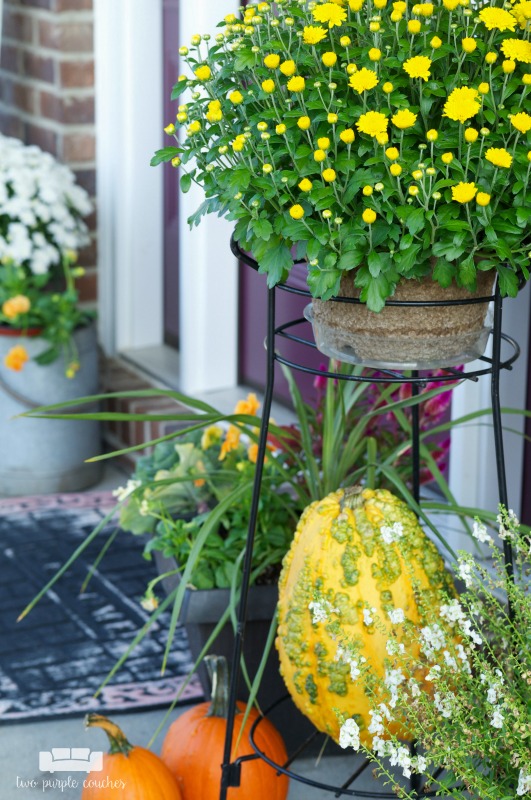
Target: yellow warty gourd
x=356, y=550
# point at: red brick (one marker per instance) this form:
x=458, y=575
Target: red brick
x=77, y=74
x=92, y=221
x=72, y=5
x=68, y=110
x=68, y=37
x=19, y=96
x=36, y=3
x=88, y=257
x=87, y=179
x=42, y=137
x=17, y=26
x=10, y=125
x=38, y=67
x=78, y=147
x=10, y=58
x=88, y=285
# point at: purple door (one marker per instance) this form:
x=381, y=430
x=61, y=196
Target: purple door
x=171, y=186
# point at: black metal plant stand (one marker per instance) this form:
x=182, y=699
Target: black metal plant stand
x=231, y=771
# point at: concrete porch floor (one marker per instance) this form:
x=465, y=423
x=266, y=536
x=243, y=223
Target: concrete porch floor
x=20, y=743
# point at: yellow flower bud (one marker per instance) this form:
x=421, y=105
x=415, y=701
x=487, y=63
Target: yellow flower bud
x=432, y=135
x=369, y=216
x=414, y=26
x=319, y=155
x=332, y=119
x=280, y=129
x=387, y=87
x=296, y=211
x=379, y=3
x=345, y=41
x=417, y=174
x=268, y=86
x=471, y=134
x=382, y=138
x=367, y=191
x=347, y=136
x=392, y=153
x=483, y=88
x=482, y=199
x=447, y=158
x=272, y=61
x=203, y=73
x=176, y=162
x=329, y=59
x=236, y=97
x=436, y=42
x=526, y=78
x=262, y=126
x=431, y=171
x=305, y=185
x=484, y=131
x=374, y=27
x=508, y=66
x=194, y=127
x=491, y=57
x=169, y=129
x=351, y=69
x=468, y=44
x=267, y=168
x=183, y=51
x=329, y=175
x=396, y=16
x=323, y=143
x=196, y=39
x=375, y=54
x=395, y=170
x=327, y=214
x=378, y=186
x=413, y=190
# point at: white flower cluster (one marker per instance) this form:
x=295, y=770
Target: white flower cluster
x=524, y=783
x=479, y=532
x=346, y=656
x=392, y=533
x=321, y=610
x=122, y=492
x=41, y=207
x=393, y=678
x=399, y=755
x=349, y=735
x=368, y=618
x=432, y=639
x=508, y=524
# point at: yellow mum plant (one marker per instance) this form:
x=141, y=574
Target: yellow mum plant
x=428, y=102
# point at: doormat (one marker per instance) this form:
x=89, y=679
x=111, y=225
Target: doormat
x=53, y=661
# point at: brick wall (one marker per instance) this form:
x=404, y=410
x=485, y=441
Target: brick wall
x=47, y=92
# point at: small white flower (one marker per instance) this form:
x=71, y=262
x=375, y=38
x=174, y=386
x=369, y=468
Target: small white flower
x=492, y=695
x=349, y=735
x=443, y=704
x=414, y=688
x=392, y=533
x=450, y=660
x=452, y=612
x=367, y=616
x=497, y=718
x=397, y=616
x=524, y=783
x=122, y=492
x=432, y=639
x=434, y=673
x=144, y=509
x=321, y=610
x=394, y=648
x=465, y=573
x=479, y=532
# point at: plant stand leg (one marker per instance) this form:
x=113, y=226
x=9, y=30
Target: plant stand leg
x=230, y=773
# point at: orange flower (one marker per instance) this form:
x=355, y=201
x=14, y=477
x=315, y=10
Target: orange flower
x=15, y=306
x=232, y=440
x=199, y=482
x=249, y=406
x=252, y=453
x=16, y=358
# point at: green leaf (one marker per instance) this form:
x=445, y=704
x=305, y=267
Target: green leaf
x=467, y=271
x=186, y=182
x=262, y=228
x=523, y=215
x=351, y=259
x=313, y=249
x=179, y=88
x=508, y=282
x=244, y=60
x=376, y=293
x=276, y=262
x=166, y=154
x=443, y=272
x=415, y=221
x=323, y=283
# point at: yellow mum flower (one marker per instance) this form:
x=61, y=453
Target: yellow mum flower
x=508, y=66
x=329, y=175
x=392, y=153
x=332, y=118
x=319, y=155
x=194, y=127
x=471, y=135
x=269, y=86
x=19, y=304
x=414, y=26
x=526, y=78
x=447, y=158
x=236, y=97
x=432, y=135
x=436, y=42
x=272, y=61
x=521, y=121
x=462, y=104
x=404, y=119
x=296, y=84
x=372, y=123
x=329, y=59
x=369, y=216
x=499, y=157
x=375, y=54
x=497, y=19
x=304, y=123
x=382, y=138
x=323, y=143
x=464, y=192
x=305, y=185
x=484, y=88
x=313, y=35
x=355, y=5
x=522, y=12
x=367, y=190
x=400, y=6
x=363, y=80
x=345, y=41
x=296, y=211
x=450, y=5
x=203, y=73
x=347, y=136
x=288, y=68
x=331, y=13
x=425, y=9
x=469, y=44
x=517, y=50
x=482, y=199
x=395, y=170
x=491, y=57
x=280, y=129
x=16, y=358
x=418, y=67
x=214, y=113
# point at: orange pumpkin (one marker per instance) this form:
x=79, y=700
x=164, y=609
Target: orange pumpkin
x=193, y=748
x=129, y=773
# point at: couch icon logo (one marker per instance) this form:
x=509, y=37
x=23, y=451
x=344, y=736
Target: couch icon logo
x=66, y=759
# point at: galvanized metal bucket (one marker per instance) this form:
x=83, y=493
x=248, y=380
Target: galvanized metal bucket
x=42, y=456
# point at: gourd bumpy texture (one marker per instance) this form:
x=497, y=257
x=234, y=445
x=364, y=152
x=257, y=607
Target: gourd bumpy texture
x=340, y=556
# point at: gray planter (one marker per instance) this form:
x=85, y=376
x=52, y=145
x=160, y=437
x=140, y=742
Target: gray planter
x=41, y=456
x=201, y=611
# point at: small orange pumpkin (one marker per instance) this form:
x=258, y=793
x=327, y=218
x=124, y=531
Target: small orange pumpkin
x=193, y=747
x=129, y=773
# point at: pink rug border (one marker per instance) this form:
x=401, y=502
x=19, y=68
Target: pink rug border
x=88, y=499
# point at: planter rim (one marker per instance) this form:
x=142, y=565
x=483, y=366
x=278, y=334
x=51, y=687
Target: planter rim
x=6, y=330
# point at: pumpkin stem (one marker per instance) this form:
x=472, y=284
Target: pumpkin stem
x=117, y=740
x=218, y=671
x=352, y=497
